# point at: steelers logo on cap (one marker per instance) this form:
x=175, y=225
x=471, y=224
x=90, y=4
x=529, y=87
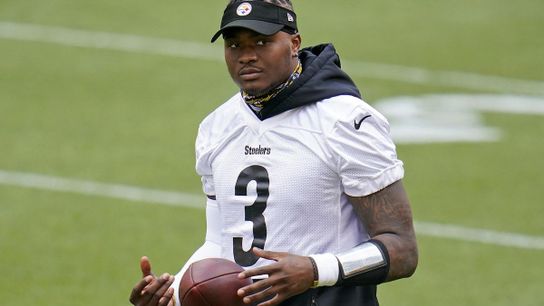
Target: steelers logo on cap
x=243, y=9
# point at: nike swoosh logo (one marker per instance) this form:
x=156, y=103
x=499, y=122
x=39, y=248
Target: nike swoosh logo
x=357, y=125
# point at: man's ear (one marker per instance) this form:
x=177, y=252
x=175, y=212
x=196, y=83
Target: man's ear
x=296, y=42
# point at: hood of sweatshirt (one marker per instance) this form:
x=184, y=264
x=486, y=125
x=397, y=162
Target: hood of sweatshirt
x=321, y=78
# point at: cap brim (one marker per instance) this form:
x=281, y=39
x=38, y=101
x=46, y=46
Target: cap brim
x=261, y=27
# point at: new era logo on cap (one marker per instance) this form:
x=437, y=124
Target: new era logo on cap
x=290, y=17
x=243, y=9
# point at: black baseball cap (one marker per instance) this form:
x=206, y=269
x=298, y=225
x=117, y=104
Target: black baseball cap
x=262, y=17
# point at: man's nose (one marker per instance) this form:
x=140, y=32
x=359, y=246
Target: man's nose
x=247, y=55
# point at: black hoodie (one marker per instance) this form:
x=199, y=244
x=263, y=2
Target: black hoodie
x=321, y=79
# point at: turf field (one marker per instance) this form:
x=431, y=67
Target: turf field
x=100, y=102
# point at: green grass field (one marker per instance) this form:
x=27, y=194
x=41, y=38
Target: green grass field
x=76, y=107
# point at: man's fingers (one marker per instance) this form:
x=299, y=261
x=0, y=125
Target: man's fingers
x=137, y=290
x=268, y=254
x=265, y=270
x=167, y=299
x=258, y=286
x=145, y=266
x=268, y=296
x=163, y=283
x=149, y=291
x=264, y=254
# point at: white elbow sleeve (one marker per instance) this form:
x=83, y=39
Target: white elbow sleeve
x=213, y=221
x=210, y=248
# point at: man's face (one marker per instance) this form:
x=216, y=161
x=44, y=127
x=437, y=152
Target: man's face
x=258, y=63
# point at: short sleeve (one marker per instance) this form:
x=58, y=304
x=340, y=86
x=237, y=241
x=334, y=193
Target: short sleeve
x=365, y=154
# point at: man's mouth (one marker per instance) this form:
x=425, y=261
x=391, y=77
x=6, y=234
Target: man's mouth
x=249, y=73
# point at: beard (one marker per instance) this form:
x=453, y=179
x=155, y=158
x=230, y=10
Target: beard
x=255, y=92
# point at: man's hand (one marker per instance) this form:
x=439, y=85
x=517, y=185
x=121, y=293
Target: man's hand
x=151, y=290
x=288, y=276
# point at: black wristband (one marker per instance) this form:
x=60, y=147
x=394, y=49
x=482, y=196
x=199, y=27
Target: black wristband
x=372, y=277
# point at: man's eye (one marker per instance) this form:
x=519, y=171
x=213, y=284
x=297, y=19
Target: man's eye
x=260, y=43
x=232, y=45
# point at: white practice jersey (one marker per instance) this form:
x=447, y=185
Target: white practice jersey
x=281, y=184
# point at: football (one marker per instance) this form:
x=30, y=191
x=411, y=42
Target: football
x=212, y=282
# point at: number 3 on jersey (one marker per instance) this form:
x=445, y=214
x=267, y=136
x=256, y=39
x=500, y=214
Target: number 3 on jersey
x=253, y=213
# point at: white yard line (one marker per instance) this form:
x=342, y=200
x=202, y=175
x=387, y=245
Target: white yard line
x=201, y=51
x=107, y=40
x=132, y=193
x=116, y=191
x=479, y=235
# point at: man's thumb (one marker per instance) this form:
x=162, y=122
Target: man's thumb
x=145, y=266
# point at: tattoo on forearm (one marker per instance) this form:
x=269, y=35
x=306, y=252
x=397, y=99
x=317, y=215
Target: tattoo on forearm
x=387, y=216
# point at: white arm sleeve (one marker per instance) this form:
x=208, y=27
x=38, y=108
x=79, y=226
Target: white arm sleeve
x=210, y=248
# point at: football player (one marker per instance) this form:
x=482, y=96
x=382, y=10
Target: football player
x=303, y=184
